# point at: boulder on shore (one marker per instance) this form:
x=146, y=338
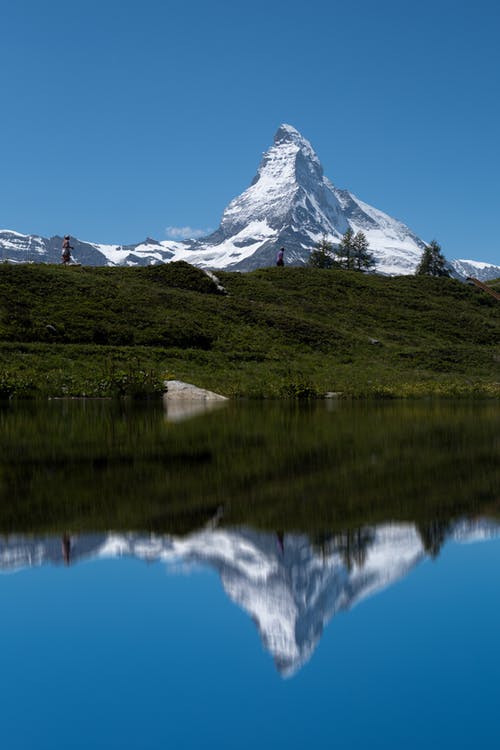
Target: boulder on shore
x=179, y=391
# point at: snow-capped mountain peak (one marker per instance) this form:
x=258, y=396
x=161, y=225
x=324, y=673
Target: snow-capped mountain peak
x=288, y=134
x=288, y=139
x=289, y=171
x=291, y=203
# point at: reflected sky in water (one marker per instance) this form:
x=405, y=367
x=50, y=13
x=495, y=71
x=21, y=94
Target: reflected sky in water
x=137, y=644
x=290, y=588
x=294, y=577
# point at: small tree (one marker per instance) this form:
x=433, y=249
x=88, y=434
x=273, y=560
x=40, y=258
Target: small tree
x=363, y=259
x=322, y=255
x=345, y=251
x=432, y=262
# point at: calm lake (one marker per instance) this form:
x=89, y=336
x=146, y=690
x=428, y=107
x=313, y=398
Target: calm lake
x=263, y=574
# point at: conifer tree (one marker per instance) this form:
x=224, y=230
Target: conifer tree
x=345, y=251
x=432, y=262
x=363, y=258
x=322, y=256
x=425, y=265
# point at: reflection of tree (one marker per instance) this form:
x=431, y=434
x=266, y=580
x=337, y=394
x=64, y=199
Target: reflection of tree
x=352, y=545
x=433, y=534
x=280, y=537
x=323, y=542
x=66, y=548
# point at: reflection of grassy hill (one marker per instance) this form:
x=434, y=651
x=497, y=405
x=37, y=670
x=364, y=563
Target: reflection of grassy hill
x=279, y=332
x=97, y=466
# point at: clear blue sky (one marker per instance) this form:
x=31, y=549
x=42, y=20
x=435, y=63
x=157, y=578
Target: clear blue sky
x=120, y=119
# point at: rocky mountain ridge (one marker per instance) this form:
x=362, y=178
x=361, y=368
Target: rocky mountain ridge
x=289, y=203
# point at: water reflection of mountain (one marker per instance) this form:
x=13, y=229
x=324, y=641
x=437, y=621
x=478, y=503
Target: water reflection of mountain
x=289, y=585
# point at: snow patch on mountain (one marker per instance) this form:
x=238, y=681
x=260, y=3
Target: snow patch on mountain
x=149, y=252
x=476, y=269
x=230, y=252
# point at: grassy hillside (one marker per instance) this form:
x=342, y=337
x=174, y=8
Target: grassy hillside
x=276, y=333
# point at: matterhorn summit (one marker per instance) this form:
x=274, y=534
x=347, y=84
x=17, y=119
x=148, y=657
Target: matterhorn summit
x=289, y=192
x=291, y=203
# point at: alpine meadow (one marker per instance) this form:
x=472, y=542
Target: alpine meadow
x=271, y=333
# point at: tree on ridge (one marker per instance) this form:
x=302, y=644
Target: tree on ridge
x=432, y=262
x=363, y=258
x=345, y=251
x=322, y=256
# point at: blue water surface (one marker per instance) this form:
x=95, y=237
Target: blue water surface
x=124, y=654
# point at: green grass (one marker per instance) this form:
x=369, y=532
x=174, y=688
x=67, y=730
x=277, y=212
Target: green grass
x=277, y=333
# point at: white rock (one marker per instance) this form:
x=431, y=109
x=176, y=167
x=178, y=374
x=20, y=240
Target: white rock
x=179, y=391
